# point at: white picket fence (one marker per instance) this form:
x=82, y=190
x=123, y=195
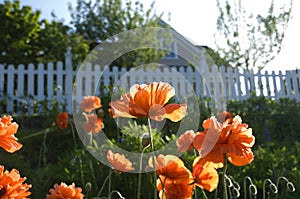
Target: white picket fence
x=23, y=88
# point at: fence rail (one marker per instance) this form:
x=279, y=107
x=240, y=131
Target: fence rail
x=32, y=88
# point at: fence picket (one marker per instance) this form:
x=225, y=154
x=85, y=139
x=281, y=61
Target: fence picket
x=275, y=88
x=10, y=89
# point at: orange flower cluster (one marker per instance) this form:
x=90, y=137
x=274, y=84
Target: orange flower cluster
x=62, y=120
x=12, y=185
x=64, y=191
x=119, y=162
x=149, y=101
x=175, y=181
x=94, y=123
x=8, y=129
x=90, y=103
x=231, y=138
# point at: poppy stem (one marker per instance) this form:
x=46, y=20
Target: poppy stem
x=107, y=177
x=140, y=174
x=153, y=157
x=204, y=194
x=73, y=134
x=38, y=133
x=216, y=194
x=109, y=185
x=224, y=177
x=90, y=139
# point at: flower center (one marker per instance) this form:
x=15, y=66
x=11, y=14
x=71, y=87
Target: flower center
x=2, y=192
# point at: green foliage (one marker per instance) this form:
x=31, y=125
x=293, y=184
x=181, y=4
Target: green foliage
x=270, y=120
x=252, y=40
x=54, y=33
x=214, y=57
x=271, y=162
x=25, y=38
x=19, y=30
x=98, y=20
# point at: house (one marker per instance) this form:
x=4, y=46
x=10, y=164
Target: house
x=179, y=44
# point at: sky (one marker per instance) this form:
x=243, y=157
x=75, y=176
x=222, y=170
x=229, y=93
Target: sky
x=196, y=20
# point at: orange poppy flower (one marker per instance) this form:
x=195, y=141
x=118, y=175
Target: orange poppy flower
x=185, y=141
x=93, y=124
x=63, y=191
x=8, y=129
x=90, y=103
x=172, y=168
x=149, y=101
x=168, y=189
x=205, y=177
x=235, y=140
x=174, y=179
x=12, y=185
x=119, y=162
x=62, y=120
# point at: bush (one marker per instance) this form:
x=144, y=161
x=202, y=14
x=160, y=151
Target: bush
x=276, y=121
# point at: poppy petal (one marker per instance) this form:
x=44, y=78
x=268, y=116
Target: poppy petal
x=185, y=141
x=172, y=168
x=10, y=144
x=175, y=112
x=120, y=109
x=241, y=160
x=141, y=100
x=213, y=159
x=205, y=177
x=157, y=112
x=160, y=92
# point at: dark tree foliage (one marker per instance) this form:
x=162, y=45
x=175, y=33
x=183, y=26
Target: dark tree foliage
x=101, y=19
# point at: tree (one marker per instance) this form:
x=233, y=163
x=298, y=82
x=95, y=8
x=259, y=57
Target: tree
x=100, y=19
x=55, y=38
x=19, y=29
x=25, y=38
x=252, y=41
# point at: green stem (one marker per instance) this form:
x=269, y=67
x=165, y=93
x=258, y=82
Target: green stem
x=91, y=139
x=225, y=196
x=204, y=194
x=103, y=185
x=109, y=186
x=73, y=134
x=93, y=176
x=118, y=193
x=153, y=158
x=140, y=174
x=272, y=187
x=245, y=186
x=278, y=181
x=42, y=157
x=216, y=193
x=81, y=170
x=252, y=188
x=264, y=188
x=38, y=133
x=195, y=192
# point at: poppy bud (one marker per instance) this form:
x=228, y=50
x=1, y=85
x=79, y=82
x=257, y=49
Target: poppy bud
x=100, y=113
x=225, y=116
x=83, y=117
x=88, y=187
x=146, y=140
